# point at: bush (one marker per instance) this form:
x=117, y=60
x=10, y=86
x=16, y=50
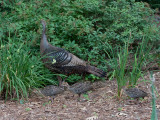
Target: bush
x=88, y=29
x=153, y=3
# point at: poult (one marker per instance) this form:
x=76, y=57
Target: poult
x=52, y=90
x=135, y=92
x=80, y=88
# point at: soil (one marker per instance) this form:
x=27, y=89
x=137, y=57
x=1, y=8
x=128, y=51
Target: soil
x=100, y=104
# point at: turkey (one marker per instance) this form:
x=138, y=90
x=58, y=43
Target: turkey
x=61, y=61
x=135, y=93
x=79, y=87
x=83, y=86
x=52, y=90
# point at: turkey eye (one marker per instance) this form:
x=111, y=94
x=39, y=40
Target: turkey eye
x=53, y=61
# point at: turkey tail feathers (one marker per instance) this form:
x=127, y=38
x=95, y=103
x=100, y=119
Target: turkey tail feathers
x=96, y=71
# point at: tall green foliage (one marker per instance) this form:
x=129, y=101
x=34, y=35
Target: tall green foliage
x=86, y=28
x=20, y=71
x=120, y=67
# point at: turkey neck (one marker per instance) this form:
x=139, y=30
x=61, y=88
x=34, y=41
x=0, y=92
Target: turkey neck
x=44, y=43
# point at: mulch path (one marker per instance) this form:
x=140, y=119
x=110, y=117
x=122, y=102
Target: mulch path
x=102, y=105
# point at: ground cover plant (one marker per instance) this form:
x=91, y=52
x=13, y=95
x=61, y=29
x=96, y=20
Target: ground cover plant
x=153, y=3
x=94, y=30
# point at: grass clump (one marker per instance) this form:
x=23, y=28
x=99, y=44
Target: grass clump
x=120, y=67
x=19, y=71
x=128, y=70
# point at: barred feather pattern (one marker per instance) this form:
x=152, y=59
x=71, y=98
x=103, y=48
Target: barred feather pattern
x=81, y=87
x=59, y=60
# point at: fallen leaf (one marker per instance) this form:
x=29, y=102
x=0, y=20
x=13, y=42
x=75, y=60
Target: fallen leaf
x=92, y=118
x=121, y=114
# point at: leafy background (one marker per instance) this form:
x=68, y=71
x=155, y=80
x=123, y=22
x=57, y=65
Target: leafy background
x=94, y=30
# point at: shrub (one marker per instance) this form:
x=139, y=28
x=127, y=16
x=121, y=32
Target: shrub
x=86, y=28
x=153, y=3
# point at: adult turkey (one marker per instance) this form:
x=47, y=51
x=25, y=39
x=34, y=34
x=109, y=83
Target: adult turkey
x=61, y=61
